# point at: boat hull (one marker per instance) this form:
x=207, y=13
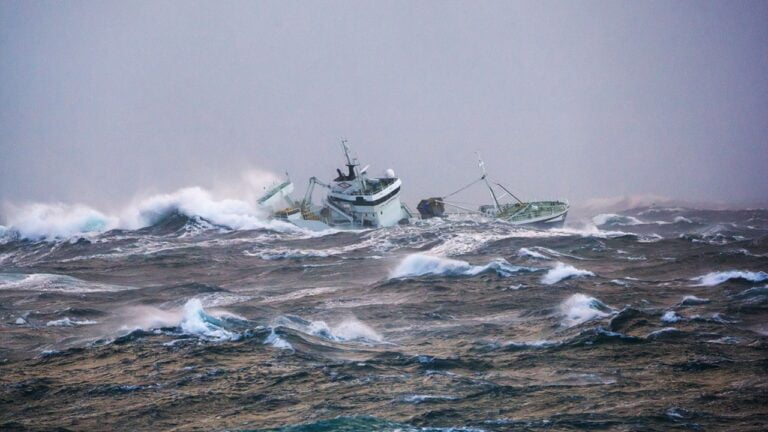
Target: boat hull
x=554, y=221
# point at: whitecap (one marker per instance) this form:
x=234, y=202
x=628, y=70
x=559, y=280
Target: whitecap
x=68, y=322
x=716, y=278
x=424, y=265
x=666, y=332
x=541, y=343
x=277, y=342
x=692, y=300
x=347, y=330
x=45, y=282
x=528, y=253
x=199, y=323
x=279, y=254
x=671, y=317
x=611, y=219
x=39, y=221
x=561, y=272
x=580, y=308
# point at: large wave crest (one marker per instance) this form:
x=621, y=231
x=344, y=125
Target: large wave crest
x=49, y=221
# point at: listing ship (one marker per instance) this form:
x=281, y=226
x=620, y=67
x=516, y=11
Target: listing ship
x=544, y=214
x=353, y=200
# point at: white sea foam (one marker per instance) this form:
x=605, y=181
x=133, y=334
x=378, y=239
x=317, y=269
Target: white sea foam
x=68, y=322
x=277, y=342
x=529, y=253
x=580, y=308
x=424, y=265
x=716, y=278
x=47, y=221
x=692, y=300
x=45, y=282
x=278, y=254
x=615, y=219
x=542, y=343
x=671, y=317
x=37, y=221
x=347, y=330
x=421, y=398
x=561, y=272
x=199, y=323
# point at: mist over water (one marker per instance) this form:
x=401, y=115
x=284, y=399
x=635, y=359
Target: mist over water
x=579, y=102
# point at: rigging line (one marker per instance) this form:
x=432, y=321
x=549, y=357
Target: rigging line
x=471, y=184
x=507, y=191
x=459, y=202
x=466, y=209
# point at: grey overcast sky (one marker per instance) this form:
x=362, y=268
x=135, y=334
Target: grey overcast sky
x=101, y=100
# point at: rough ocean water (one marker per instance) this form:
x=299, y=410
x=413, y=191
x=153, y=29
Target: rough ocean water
x=653, y=319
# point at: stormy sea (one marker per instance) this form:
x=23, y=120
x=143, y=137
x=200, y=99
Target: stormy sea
x=653, y=319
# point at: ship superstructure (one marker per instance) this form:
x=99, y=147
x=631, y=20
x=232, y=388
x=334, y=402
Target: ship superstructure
x=353, y=200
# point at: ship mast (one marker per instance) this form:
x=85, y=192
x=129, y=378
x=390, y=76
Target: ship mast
x=353, y=164
x=485, y=178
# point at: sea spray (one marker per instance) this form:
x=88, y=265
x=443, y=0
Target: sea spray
x=347, y=330
x=56, y=221
x=580, y=308
x=561, y=272
x=199, y=323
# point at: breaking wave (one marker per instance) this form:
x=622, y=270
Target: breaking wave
x=44, y=282
x=561, y=272
x=48, y=221
x=348, y=330
x=716, y=278
x=612, y=219
x=52, y=221
x=425, y=265
x=68, y=322
x=580, y=308
x=198, y=322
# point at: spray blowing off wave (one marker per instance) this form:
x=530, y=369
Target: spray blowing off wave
x=39, y=221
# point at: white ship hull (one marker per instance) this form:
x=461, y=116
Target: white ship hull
x=353, y=201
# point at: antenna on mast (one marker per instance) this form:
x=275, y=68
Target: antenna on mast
x=345, y=147
x=481, y=164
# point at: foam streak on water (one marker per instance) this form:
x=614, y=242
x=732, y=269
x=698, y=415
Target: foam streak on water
x=197, y=312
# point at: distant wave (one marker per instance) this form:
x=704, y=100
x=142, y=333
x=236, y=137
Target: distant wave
x=611, y=219
x=716, y=278
x=561, y=272
x=426, y=265
x=44, y=282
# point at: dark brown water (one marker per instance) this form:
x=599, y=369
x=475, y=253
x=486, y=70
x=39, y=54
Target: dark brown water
x=652, y=320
